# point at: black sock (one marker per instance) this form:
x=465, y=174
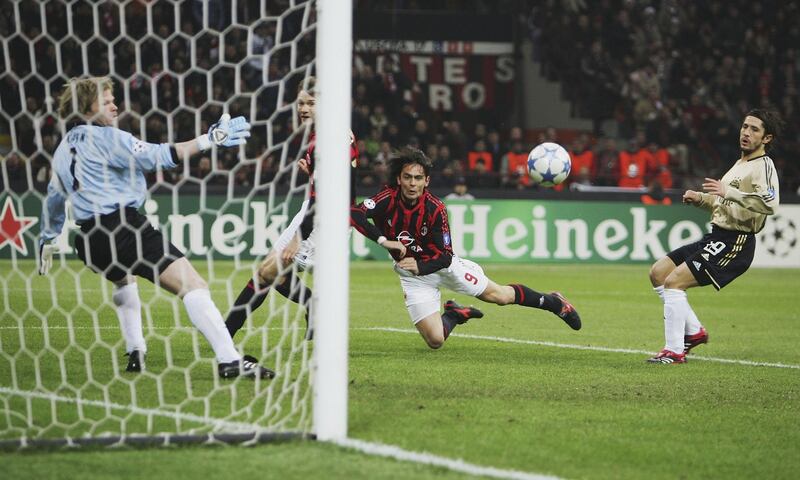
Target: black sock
x=531, y=298
x=449, y=322
x=248, y=297
x=295, y=294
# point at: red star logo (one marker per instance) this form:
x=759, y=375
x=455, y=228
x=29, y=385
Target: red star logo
x=12, y=227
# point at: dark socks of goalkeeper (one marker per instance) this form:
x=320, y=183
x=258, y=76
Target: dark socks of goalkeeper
x=449, y=322
x=249, y=296
x=531, y=298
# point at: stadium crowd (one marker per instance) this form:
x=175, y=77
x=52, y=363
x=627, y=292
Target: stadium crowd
x=676, y=76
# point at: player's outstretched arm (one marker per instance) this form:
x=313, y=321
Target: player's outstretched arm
x=226, y=132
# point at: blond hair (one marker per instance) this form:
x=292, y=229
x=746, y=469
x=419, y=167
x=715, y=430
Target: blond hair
x=86, y=92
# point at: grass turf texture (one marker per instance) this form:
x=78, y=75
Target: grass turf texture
x=545, y=409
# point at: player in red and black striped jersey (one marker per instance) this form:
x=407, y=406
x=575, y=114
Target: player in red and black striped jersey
x=296, y=242
x=411, y=223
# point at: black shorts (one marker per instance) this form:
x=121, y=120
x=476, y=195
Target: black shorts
x=719, y=257
x=122, y=243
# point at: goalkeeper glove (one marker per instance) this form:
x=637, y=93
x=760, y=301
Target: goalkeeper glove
x=225, y=133
x=46, y=251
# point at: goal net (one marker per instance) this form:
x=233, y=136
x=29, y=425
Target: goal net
x=176, y=66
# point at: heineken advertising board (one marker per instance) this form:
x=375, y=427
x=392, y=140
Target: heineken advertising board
x=516, y=231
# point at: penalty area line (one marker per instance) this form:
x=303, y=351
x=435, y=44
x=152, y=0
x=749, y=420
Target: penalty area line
x=589, y=347
x=457, y=465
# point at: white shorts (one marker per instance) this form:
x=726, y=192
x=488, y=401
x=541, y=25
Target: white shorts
x=304, y=258
x=422, y=294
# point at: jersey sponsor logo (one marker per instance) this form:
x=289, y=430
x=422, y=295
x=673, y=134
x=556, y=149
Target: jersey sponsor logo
x=369, y=203
x=705, y=256
x=696, y=264
x=406, y=239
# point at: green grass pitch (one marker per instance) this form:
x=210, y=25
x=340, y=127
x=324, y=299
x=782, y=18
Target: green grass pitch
x=516, y=390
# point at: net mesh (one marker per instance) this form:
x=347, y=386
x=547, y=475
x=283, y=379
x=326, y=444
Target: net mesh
x=177, y=66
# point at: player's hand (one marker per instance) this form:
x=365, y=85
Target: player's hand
x=229, y=133
x=395, y=247
x=288, y=253
x=715, y=187
x=46, y=251
x=409, y=264
x=690, y=197
x=303, y=165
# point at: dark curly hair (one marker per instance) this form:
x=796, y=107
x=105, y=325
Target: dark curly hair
x=408, y=156
x=773, y=124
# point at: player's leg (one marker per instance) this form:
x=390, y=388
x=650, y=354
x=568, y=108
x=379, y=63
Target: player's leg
x=518, y=294
x=694, y=333
x=250, y=298
x=434, y=327
x=676, y=312
x=422, y=298
x=105, y=248
x=128, y=307
x=182, y=279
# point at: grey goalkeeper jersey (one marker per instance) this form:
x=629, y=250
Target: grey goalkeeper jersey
x=752, y=194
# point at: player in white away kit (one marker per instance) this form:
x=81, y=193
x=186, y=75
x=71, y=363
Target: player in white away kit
x=739, y=205
x=100, y=170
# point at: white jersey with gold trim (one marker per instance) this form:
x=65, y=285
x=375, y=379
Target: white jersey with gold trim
x=752, y=193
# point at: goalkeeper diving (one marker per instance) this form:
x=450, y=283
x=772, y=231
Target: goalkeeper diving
x=100, y=170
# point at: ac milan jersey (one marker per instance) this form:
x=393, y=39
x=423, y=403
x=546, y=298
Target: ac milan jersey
x=423, y=228
x=308, y=222
x=312, y=141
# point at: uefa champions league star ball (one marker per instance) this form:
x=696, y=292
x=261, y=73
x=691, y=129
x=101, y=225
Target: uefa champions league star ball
x=549, y=164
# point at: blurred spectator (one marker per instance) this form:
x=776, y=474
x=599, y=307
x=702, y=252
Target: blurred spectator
x=459, y=191
x=581, y=178
x=514, y=167
x=655, y=195
x=660, y=167
x=583, y=157
x=494, y=147
x=481, y=176
x=633, y=163
x=480, y=154
x=378, y=118
x=607, y=161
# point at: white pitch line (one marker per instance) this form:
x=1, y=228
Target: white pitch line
x=457, y=465
x=213, y=422
x=588, y=347
x=463, y=335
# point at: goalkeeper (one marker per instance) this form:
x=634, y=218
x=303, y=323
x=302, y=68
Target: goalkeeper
x=100, y=170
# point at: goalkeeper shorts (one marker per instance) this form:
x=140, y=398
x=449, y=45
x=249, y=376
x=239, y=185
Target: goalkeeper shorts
x=124, y=243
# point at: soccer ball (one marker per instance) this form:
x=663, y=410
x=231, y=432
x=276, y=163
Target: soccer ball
x=549, y=164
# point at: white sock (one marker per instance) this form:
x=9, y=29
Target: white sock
x=206, y=317
x=129, y=313
x=676, y=310
x=660, y=292
x=693, y=325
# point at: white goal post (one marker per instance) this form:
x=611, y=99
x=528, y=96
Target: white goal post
x=334, y=53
